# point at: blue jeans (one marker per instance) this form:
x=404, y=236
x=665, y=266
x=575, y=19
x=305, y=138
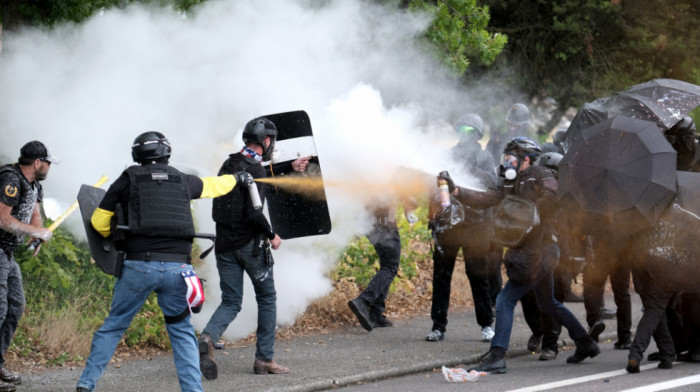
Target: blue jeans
x=231, y=266
x=138, y=279
x=544, y=294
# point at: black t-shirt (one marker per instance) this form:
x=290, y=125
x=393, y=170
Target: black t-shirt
x=237, y=222
x=118, y=193
x=17, y=192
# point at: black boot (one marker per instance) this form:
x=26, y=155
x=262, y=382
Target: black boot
x=585, y=347
x=493, y=362
x=360, y=307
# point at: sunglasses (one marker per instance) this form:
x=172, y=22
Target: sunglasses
x=44, y=160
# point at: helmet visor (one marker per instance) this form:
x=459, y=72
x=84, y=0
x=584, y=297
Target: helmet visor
x=465, y=130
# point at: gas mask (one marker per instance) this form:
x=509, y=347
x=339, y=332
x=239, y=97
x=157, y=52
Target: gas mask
x=509, y=166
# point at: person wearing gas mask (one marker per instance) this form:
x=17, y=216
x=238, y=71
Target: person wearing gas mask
x=529, y=196
x=471, y=235
x=155, y=199
x=20, y=216
x=243, y=241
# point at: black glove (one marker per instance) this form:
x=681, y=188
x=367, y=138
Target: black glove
x=243, y=179
x=446, y=176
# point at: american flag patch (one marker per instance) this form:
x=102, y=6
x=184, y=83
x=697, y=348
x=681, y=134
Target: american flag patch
x=195, y=292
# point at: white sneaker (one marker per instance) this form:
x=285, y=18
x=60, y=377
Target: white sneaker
x=487, y=333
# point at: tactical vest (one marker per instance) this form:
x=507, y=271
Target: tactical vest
x=22, y=211
x=159, y=204
x=231, y=206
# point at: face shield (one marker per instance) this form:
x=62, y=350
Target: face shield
x=466, y=131
x=508, y=167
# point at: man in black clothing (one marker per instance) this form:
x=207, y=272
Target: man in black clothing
x=155, y=199
x=243, y=241
x=472, y=236
x=20, y=195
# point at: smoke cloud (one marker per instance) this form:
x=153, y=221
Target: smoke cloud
x=377, y=101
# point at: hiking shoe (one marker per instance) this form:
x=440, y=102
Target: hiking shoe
x=262, y=367
x=595, y=330
x=665, y=364
x=435, y=336
x=8, y=376
x=378, y=320
x=7, y=386
x=632, y=366
x=534, y=343
x=361, y=309
x=207, y=362
x=487, y=333
x=548, y=354
x=624, y=344
x=585, y=347
x=491, y=363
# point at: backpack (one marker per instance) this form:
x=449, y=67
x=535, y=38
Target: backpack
x=514, y=218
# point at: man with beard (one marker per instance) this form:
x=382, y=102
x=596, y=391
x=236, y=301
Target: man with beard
x=20, y=196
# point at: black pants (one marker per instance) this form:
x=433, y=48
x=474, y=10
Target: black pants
x=610, y=260
x=476, y=267
x=387, y=243
x=653, y=321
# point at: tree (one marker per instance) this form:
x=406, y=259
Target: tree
x=577, y=50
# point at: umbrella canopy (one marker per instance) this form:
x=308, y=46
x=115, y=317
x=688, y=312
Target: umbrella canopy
x=663, y=101
x=621, y=171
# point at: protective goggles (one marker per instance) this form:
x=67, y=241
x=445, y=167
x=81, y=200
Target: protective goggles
x=465, y=129
x=508, y=161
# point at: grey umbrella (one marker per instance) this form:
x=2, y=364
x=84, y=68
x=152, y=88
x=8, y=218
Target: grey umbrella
x=621, y=172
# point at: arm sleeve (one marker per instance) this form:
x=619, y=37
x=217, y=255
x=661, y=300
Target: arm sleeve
x=217, y=186
x=101, y=220
x=479, y=199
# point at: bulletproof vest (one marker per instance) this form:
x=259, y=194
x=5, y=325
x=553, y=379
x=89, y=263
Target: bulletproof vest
x=22, y=211
x=159, y=204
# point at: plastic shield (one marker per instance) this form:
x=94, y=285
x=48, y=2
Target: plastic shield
x=102, y=249
x=296, y=211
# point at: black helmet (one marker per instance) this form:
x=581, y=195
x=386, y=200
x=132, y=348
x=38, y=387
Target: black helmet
x=684, y=127
x=523, y=146
x=257, y=130
x=150, y=146
x=518, y=117
x=469, y=124
x=550, y=160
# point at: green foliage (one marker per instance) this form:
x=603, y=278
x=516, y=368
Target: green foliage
x=458, y=31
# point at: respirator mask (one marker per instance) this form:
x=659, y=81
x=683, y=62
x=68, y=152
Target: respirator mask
x=509, y=166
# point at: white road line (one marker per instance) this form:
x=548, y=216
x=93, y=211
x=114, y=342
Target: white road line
x=578, y=380
x=666, y=384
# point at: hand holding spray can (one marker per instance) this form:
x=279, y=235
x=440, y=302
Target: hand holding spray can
x=444, y=192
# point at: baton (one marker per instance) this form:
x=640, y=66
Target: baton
x=65, y=214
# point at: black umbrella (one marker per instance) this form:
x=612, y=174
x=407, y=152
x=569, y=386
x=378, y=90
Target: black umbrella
x=620, y=171
x=663, y=101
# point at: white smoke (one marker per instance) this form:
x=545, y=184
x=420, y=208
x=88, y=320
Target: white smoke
x=375, y=99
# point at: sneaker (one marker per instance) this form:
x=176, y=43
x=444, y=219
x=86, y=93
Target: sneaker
x=487, y=333
x=435, y=336
x=7, y=386
x=534, y=343
x=262, y=367
x=207, y=362
x=361, y=309
x=9, y=377
x=595, y=330
x=548, y=354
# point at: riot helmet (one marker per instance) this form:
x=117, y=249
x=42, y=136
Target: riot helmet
x=150, y=146
x=256, y=130
x=470, y=125
x=550, y=160
x=518, y=117
x=514, y=153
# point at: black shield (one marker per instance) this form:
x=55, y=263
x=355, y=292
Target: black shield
x=102, y=249
x=295, y=212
